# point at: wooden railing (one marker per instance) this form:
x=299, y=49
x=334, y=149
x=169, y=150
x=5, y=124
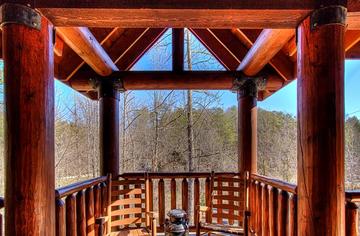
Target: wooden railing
x=171, y=190
x=2, y=204
x=272, y=206
x=79, y=205
x=352, y=212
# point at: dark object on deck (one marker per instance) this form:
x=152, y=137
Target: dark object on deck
x=177, y=224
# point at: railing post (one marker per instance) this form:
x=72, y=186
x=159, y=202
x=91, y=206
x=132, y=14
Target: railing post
x=71, y=222
x=161, y=195
x=208, y=198
x=81, y=213
x=292, y=216
x=60, y=217
x=282, y=212
x=173, y=193
x=352, y=219
x=265, y=214
x=90, y=219
x=185, y=195
x=196, y=198
x=273, y=206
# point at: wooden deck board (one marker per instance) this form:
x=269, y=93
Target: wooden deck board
x=131, y=232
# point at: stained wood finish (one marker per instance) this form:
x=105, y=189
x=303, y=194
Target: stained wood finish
x=283, y=208
x=293, y=216
x=178, y=49
x=265, y=210
x=165, y=80
x=273, y=216
x=70, y=62
x=71, y=216
x=267, y=50
x=60, y=218
x=29, y=129
x=81, y=213
x=109, y=128
x=84, y=43
x=321, y=130
x=173, y=193
x=247, y=133
x=352, y=219
x=185, y=195
x=90, y=219
x=161, y=195
x=196, y=198
x=267, y=45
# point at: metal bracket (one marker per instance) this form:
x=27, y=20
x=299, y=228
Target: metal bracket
x=107, y=85
x=249, y=86
x=19, y=14
x=328, y=15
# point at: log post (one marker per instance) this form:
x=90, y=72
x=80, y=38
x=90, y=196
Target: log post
x=108, y=90
x=29, y=123
x=247, y=125
x=321, y=122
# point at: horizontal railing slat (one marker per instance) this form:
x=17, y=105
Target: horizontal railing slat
x=76, y=187
x=291, y=188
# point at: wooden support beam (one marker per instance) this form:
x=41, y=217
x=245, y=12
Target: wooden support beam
x=167, y=80
x=178, y=49
x=29, y=128
x=109, y=128
x=247, y=128
x=223, y=45
x=321, y=198
x=83, y=42
x=70, y=62
x=263, y=51
x=125, y=48
x=180, y=14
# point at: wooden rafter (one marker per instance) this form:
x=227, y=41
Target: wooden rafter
x=69, y=61
x=84, y=43
x=125, y=49
x=179, y=13
x=354, y=52
x=168, y=80
x=267, y=49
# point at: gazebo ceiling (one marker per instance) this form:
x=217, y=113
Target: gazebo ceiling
x=83, y=53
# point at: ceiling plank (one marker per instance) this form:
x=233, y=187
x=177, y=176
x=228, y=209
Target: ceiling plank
x=84, y=43
x=184, y=13
x=266, y=47
x=171, y=80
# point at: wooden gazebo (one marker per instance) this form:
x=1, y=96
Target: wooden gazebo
x=90, y=45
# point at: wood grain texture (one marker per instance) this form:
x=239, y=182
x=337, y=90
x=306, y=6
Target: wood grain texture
x=81, y=213
x=109, y=128
x=84, y=43
x=267, y=45
x=321, y=130
x=29, y=130
x=247, y=133
x=71, y=216
x=178, y=49
x=60, y=218
x=352, y=219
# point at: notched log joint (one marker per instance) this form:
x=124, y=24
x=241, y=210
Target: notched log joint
x=19, y=14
